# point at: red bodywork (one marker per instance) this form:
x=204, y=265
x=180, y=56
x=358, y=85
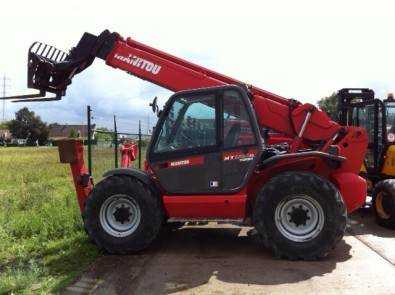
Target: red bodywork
x=71, y=151
x=205, y=207
x=301, y=125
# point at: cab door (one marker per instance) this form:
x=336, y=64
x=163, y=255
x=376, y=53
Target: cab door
x=241, y=142
x=185, y=152
x=370, y=116
x=206, y=142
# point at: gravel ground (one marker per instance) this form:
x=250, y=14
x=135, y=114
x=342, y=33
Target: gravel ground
x=222, y=259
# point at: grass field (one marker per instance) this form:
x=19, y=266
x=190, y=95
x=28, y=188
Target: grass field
x=43, y=245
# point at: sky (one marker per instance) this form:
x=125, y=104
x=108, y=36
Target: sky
x=301, y=49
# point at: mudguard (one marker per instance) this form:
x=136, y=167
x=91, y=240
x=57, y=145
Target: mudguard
x=353, y=189
x=136, y=173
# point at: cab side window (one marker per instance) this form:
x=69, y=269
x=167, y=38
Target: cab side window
x=236, y=121
x=191, y=123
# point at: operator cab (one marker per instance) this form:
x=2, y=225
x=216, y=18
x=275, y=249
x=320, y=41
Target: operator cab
x=209, y=138
x=359, y=107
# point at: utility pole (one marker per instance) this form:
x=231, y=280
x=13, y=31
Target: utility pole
x=89, y=117
x=4, y=90
x=115, y=142
x=140, y=145
x=148, y=124
x=4, y=99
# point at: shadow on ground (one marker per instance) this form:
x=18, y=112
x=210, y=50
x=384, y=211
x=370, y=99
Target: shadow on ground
x=191, y=256
x=362, y=222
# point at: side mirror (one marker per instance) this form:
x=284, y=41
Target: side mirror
x=154, y=106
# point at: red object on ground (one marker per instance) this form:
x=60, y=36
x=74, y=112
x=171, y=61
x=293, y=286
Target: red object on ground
x=129, y=152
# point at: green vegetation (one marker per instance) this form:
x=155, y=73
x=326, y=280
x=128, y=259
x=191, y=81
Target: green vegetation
x=329, y=105
x=4, y=125
x=43, y=246
x=103, y=159
x=73, y=134
x=29, y=126
x=105, y=135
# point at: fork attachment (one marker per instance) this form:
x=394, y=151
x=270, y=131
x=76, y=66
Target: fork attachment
x=51, y=69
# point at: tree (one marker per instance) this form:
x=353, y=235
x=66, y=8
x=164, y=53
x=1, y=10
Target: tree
x=106, y=135
x=329, y=105
x=4, y=125
x=28, y=125
x=73, y=133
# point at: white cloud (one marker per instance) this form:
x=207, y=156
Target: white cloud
x=299, y=49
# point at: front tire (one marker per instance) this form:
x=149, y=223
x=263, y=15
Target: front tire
x=384, y=203
x=300, y=216
x=122, y=215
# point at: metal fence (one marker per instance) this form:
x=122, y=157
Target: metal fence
x=104, y=145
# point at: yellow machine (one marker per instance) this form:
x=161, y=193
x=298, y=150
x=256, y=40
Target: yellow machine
x=359, y=107
x=389, y=161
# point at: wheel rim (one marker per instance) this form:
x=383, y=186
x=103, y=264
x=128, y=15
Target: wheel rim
x=383, y=202
x=299, y=218
x=120, y=215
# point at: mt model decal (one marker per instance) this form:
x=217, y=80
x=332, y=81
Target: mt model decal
x=239, y=155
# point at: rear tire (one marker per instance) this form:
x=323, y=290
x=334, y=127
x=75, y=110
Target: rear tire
x=384, y=203
x=300, y=216
x=122, y=215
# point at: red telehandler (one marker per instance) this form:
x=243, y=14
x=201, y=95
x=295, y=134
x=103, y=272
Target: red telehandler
x=207, y=159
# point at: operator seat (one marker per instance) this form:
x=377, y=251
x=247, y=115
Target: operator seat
x=233, y=135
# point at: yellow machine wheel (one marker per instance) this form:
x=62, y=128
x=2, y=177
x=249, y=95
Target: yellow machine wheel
x=384, y=203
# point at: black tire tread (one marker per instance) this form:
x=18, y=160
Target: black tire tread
x=149, y=227
x=294, y=181
x=388, y=186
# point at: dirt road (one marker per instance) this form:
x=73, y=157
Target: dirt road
x=222, y=259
